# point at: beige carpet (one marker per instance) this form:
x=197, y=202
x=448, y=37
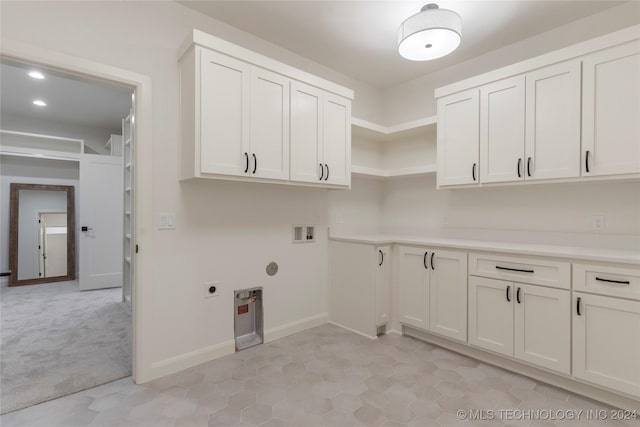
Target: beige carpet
x=56, y=340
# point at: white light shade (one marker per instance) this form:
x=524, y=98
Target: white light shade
x=36, y=75
x=430, y=34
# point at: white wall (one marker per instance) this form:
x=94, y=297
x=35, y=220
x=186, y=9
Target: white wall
x=540, y=213
x=226, y=231
x=94, y=138
x=30, y=171
x=414, y=99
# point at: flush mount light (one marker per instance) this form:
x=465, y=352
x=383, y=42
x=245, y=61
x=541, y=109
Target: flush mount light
x=430, y=34
x=39, y=103
x=36, y=75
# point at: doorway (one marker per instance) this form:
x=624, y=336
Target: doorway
x=67, y=332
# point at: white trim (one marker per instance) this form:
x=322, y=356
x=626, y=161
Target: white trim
x=560, y=55
x=352, y=330
x=394, y=331
x=191, y=359
x=41, y=135
x=295, y=327
x=143, y=174
x=540, y=374
x=208, y=41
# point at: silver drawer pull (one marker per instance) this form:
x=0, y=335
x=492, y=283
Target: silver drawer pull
x=617, y=282
x=519, y=270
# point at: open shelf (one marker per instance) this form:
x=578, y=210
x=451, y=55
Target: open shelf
x=377, y=132
x=391, y=173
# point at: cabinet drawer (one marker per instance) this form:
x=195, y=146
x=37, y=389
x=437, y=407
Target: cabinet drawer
x=613, y=281
x=521, y=269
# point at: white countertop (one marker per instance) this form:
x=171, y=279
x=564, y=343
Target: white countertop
x=570, y=252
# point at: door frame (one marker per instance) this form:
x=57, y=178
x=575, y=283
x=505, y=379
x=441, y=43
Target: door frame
x=143, y=162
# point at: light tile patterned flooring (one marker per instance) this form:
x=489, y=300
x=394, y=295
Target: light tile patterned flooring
x=325, y=376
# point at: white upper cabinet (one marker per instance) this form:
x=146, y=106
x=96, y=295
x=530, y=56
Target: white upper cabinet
x=611, y=111
x=337, y=140
x=457, y=135
x=306, y=133
x=552, y=142
x=247, y=117
x=561, y=116
x=502, y=130
x=224, y=114
x=320, y=136
x=269, y=124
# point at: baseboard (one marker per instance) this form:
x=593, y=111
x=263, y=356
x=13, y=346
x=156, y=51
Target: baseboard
x=207, y=354
x=558, y=380
x=352, y=330
x=189, y=360
x=393, y=331
x=294, y=327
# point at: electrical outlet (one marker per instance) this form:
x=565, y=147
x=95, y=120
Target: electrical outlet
x=211, y=289
x=598, y=223
x=338, y=219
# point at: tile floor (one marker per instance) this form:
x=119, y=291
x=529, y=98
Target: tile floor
x=326, y=376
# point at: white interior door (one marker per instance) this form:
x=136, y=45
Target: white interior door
x=101, y=212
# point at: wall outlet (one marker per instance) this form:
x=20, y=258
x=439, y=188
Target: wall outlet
x=211, y=289
x=597, y=222
x=338, y=219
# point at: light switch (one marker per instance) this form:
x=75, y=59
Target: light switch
x=167, y=221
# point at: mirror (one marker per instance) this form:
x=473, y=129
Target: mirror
x=42, y=234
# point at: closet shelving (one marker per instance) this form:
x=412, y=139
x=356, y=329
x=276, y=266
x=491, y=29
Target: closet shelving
x=128, y=173
x=409, y=148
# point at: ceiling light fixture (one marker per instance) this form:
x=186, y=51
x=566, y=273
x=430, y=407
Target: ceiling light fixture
x=430, y=34
x=39, y=103
x=36, y=75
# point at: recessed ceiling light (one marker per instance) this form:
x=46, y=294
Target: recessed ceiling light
x=36, y=75
x=39, y=103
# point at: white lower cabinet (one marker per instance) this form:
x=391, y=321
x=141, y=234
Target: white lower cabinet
x=606, y=342
x=433, y=291
x=359, y=286
x=491, y=314
x=528, y=322
x=413, y=287
x=383, y=283
x=542, y=327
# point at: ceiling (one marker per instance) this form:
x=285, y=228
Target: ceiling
x=70, y=99
x=358, y=38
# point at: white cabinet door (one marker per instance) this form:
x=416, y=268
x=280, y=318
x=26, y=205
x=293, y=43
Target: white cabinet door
x=383, y=276
x=606, y=342
x=413, y=287
x=224, y=114
x=457, y=135
x=553, y=122
x=306, y=133
x=491, y=314
x=337, y=140
x=611, y=111
x=542, y=326
x=448, y=298
x=269, y=125
x=502, y=130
